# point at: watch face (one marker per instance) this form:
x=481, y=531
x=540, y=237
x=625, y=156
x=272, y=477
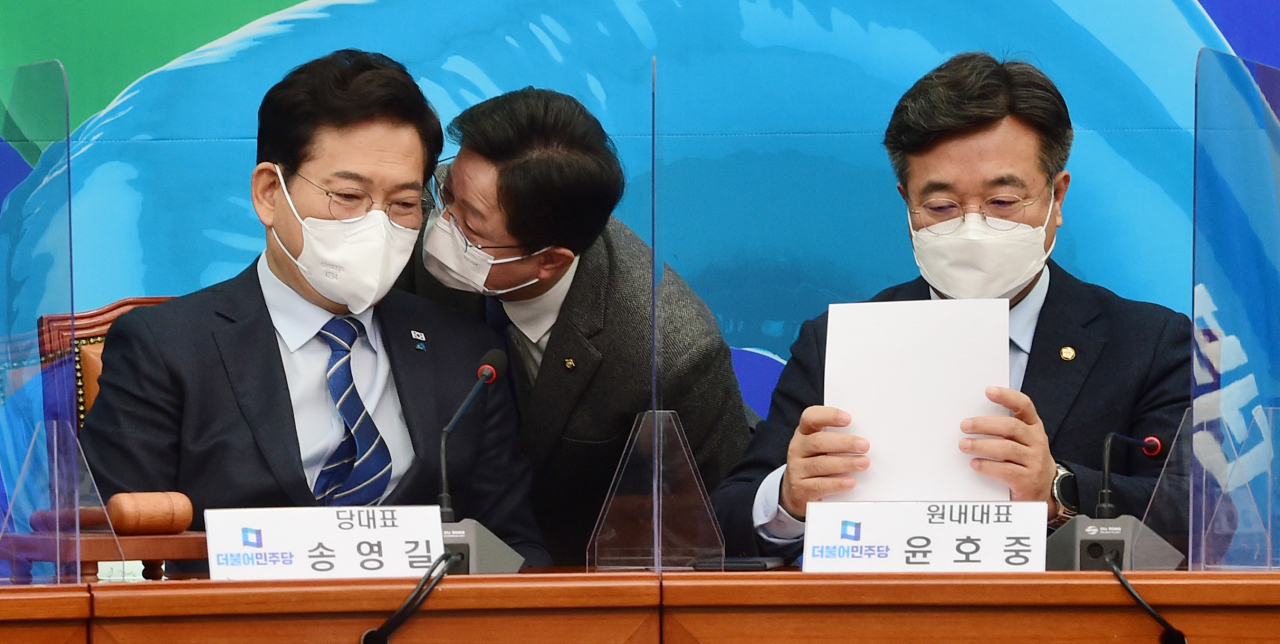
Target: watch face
x=1067, y=492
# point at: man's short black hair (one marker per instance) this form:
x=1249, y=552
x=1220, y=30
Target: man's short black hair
x=559, y=178
x=348, y=87
x=972, y=91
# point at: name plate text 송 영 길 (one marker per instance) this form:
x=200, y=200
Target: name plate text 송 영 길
x=932, y=536
x=323, y=542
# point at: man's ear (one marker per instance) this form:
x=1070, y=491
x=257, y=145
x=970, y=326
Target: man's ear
x=1060, y=185
x=553, y=260
x=264, y=183
x=902, y=192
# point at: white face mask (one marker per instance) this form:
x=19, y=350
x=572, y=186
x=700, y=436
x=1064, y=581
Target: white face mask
x=458, y=264
x=978, y=261
x=350, y=261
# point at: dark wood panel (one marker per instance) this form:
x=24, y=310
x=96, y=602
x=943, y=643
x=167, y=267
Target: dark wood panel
x=50, y=632
x=961, y=624
x=44, y=614
x=549, y=626
x=551, y=608
x=784, y=607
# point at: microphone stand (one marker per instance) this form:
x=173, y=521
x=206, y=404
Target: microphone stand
x=486, y=375
x=1107, y=509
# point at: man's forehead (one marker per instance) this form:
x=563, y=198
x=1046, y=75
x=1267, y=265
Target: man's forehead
x=472, y=178
x=372, y=144
x=998, y=179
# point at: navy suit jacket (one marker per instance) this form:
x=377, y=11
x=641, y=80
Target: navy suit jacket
x=1131, y=374
x=194, y=399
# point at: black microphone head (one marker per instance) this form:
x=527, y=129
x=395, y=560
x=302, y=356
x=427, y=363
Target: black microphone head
x=494, y=362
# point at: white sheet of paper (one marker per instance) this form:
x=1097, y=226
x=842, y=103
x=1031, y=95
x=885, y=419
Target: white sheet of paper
x=908, y=373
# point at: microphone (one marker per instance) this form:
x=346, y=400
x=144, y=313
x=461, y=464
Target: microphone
x=492, y=363
x=1085, y=543
x=472, y=547
x=1152, y=446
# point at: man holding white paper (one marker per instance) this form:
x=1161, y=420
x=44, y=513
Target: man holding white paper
x=980, y=148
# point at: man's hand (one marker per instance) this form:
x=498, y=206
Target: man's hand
x=1018, y=452
x=818, y=459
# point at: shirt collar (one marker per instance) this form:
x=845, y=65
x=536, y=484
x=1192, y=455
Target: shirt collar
x=535, y=316
x=296, y=319
x=1024, y=315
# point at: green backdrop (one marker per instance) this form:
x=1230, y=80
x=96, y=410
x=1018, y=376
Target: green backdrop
x=107, y=44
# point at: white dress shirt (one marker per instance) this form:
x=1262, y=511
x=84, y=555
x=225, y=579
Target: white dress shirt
x=776, y=525
x=306, y=361
x=534, y=318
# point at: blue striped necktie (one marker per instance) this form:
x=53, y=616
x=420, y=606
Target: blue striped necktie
x=359, y=470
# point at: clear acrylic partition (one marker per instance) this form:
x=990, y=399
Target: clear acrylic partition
x=774, y=199
x=1166, y=514
x=1237, y=315
x=657, y=515
x=46, y=496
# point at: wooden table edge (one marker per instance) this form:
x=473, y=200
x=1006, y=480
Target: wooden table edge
x=1036, y=589
x=40, y=603
x=480, y=592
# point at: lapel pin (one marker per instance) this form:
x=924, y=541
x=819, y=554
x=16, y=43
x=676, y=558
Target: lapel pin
x=570, y=364
x=1068, y=354
x=418, y=335
x=422, y=346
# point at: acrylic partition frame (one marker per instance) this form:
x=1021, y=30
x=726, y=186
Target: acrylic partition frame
x=657, y=515
x=1236, y=315
x=52, y=513
x=1166, y=515
x=767, y=212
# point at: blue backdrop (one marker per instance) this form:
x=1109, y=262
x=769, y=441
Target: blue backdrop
x=774, y=195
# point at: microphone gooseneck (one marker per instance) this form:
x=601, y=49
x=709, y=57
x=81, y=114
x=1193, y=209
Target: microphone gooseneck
x=492, y=364
x=1152, y=447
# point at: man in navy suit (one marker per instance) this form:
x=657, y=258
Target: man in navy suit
x=980, y=149
x=303, y=381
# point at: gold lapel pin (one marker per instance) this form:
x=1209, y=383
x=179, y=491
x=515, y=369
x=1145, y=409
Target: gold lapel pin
x=1068, y=354
x=570, y=364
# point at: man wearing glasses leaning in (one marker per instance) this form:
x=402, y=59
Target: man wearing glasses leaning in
x=980, y=149
x=305, y=380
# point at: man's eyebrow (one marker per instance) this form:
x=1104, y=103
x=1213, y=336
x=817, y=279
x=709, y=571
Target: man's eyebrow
x=935, y=186
x=1007, y=180
x=353, y=176
x=363, y=180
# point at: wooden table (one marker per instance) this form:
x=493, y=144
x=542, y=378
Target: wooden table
x=784, y=606
x=636, y=608
x=532, y=608
x=44, y=614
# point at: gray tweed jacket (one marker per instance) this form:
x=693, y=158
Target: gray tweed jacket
x=578, y=410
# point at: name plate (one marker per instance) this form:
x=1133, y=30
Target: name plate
x=323, y=542
x=929, y=536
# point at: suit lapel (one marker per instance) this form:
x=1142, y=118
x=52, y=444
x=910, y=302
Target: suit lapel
x=411, y=370
x=519, y=369
x=1052, y=381
x=571, y=358
x=251, y=356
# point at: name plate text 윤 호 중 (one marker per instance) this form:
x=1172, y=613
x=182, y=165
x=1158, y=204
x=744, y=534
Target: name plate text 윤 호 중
x=323, y=542
x=930, y=536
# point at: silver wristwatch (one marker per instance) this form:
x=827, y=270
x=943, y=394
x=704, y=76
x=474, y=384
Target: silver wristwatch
x=1065, y=497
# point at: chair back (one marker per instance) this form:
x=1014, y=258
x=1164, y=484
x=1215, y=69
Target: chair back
x=71, y=343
